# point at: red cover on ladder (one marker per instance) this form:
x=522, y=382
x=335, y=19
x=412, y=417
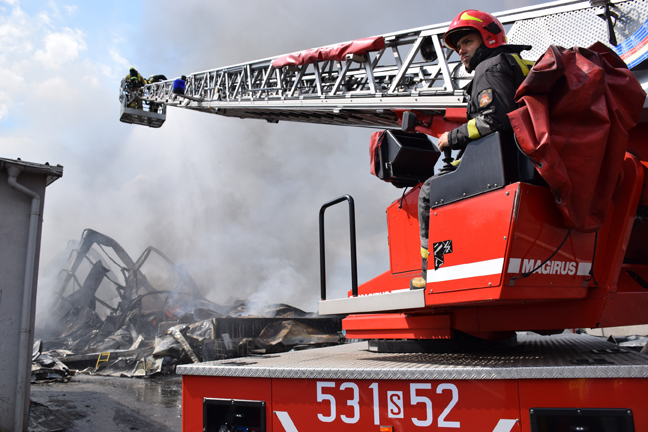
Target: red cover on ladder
x=332, y=52
x=578, y=106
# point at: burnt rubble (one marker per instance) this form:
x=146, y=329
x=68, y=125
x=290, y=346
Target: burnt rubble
x=142, y=324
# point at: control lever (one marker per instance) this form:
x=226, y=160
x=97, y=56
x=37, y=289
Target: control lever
x=447, y=160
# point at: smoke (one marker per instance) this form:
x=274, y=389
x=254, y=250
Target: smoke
x=236, y=201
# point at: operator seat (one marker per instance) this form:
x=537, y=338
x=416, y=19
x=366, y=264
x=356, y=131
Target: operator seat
x=487, y=164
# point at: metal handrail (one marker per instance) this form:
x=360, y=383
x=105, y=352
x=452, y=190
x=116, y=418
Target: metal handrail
x=352, y=235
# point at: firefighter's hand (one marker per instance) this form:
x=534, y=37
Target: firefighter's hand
x=443, y=142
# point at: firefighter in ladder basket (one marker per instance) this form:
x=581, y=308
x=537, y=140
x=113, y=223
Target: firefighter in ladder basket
x=479, y=39
x=135, y=81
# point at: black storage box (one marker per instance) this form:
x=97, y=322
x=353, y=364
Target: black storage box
x=406, y=159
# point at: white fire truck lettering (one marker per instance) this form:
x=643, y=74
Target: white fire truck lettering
x=286, y=421
x=505, y=425
x=528, y=265
x=455, y=398
x=550, y=267
x=395, y=404
x=352, y=403
x=322, y=397
x=376, y=408
x=421, y=399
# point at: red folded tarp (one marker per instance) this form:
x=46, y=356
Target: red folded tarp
x=577, y=108
x=332, y=52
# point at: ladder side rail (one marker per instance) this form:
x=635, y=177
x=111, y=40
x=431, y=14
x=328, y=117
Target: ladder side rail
x=266, y=77
x=248, y=72
x=507, y=17
x=327, y=79
x=211, y=88
x=341, y=77
x=370, y=77
x=318, y=78
x=235, y=81
x=431, y=79
x=376, y=60
x=221, y=75
x=329, y=72
x=402, y=77
x=397, y=56
x=330, y=69
x=204, y=80
x=189, y=85
x=279, y=79
x=227, y=85
x=239, y=83
x=406, y=64
x=310, y=89
x=257, y=76
x=297, y=80
x=193, y=84
x=443, y=63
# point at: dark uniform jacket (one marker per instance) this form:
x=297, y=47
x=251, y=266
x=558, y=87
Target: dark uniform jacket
x=498, y=74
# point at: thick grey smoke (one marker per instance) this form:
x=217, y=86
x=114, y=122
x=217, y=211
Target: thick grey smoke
x=236, y=201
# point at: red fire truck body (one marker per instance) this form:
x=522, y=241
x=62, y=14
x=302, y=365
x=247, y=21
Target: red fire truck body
x=555, y=383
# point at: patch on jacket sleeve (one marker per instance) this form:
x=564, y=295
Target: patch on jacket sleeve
x=485, y=98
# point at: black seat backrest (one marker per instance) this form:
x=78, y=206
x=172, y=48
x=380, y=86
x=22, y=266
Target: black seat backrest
x=481, y=170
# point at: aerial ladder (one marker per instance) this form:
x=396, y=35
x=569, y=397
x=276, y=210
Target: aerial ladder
x=488, y=285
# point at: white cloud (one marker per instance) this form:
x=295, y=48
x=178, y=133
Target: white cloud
x=117, y=58
x=15, y=32
x=45, y=18
x=70, y=9
x=93, y=81
x=55, y=90
x=11, y=2
x=61, y=48
x=12, y=146
x=10, y=78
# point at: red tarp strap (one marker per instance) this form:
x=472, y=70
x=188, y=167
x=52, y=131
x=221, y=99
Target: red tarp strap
x=332, y=52
x=435, y=125
x=577, y=108
x=374, y=151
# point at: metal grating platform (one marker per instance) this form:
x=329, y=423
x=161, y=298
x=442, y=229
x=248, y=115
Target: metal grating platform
x=578, y=27
x=535, y=357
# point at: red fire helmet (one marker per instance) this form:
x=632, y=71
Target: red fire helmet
x=491, y=30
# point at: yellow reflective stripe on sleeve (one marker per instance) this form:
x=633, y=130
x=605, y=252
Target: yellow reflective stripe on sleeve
x=424, y=252
x=520, y=62
x=473, y=132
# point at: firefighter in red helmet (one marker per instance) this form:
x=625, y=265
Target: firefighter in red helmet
x=480, y=40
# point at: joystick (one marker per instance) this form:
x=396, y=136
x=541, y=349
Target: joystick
x=447, y=160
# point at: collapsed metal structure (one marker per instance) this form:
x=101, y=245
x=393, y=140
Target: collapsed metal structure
x=131, y=326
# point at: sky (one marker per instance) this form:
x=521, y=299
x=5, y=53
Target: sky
x=235, y=201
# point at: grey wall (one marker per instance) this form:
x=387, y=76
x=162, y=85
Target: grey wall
x=14, y=227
